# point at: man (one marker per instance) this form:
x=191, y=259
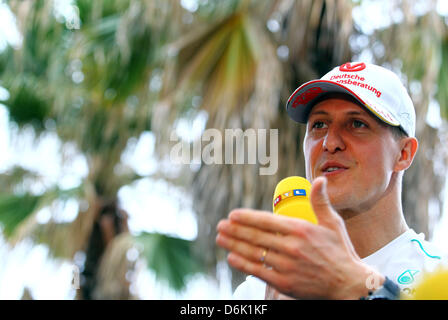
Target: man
x=360, y=138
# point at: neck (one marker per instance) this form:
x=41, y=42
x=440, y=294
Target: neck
x=372, y=228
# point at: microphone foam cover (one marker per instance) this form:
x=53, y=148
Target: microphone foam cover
x=432, y=286
x=291, y=198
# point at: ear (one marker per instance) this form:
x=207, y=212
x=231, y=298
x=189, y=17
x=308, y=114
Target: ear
x=408, y=149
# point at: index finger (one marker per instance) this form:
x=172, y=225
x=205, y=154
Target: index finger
x=267, y=220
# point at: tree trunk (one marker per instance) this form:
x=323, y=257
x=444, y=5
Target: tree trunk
x=109, y=223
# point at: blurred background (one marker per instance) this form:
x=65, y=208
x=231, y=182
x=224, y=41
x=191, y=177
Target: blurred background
x=91, y=207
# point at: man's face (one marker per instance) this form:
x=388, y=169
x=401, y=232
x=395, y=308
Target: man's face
x=355, y=152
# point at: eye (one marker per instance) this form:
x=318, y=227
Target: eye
x=358, y=124
x=318, y=125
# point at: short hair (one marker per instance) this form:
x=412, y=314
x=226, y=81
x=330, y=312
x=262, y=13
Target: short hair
x=398, y=132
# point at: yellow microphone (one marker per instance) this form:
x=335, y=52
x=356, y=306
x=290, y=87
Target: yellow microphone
x=432, y=286
x=291, y=199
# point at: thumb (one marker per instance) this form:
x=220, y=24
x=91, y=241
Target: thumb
x=320, y=202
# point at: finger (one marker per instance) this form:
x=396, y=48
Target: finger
x=280, y=262
x=270, y=275
x=325, y=213
x=267, y=221
x=260, y=254
x=320, y=202
x=255, y=236
x=282, y=250
x=291, y=245
x=253, y=253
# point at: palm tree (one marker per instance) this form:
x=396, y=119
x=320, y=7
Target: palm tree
x=90, y=78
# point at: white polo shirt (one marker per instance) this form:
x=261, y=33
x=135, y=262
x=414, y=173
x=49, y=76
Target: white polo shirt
x=402, y=260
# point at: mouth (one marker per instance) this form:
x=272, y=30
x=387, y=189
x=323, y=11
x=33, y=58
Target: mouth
x=332, y=168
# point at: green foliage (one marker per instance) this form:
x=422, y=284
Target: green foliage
x=223, y=60
x=14, y=209
x=42, y=41
x=171, y=258
x=28, y=104
x=14, y=178
x=28, y=70
x=93, y=11
x=442, y=87
x=214, y=10
x=116, y=71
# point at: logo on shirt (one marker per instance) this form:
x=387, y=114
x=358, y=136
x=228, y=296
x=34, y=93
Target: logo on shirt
x=407, y=277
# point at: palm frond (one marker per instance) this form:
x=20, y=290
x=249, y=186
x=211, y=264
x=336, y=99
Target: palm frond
x=18, y=213
x=171, y=258
x=224, y=59
x=442, y=92
x=27, y=103
x=14, y=209
x=14, y=177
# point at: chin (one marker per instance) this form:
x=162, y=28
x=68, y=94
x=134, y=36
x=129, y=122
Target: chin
x=339, y=197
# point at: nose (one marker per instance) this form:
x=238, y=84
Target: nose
x=333, y=141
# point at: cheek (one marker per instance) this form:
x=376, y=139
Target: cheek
x=373, y=178
x=377, y=162
x=311, y=151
